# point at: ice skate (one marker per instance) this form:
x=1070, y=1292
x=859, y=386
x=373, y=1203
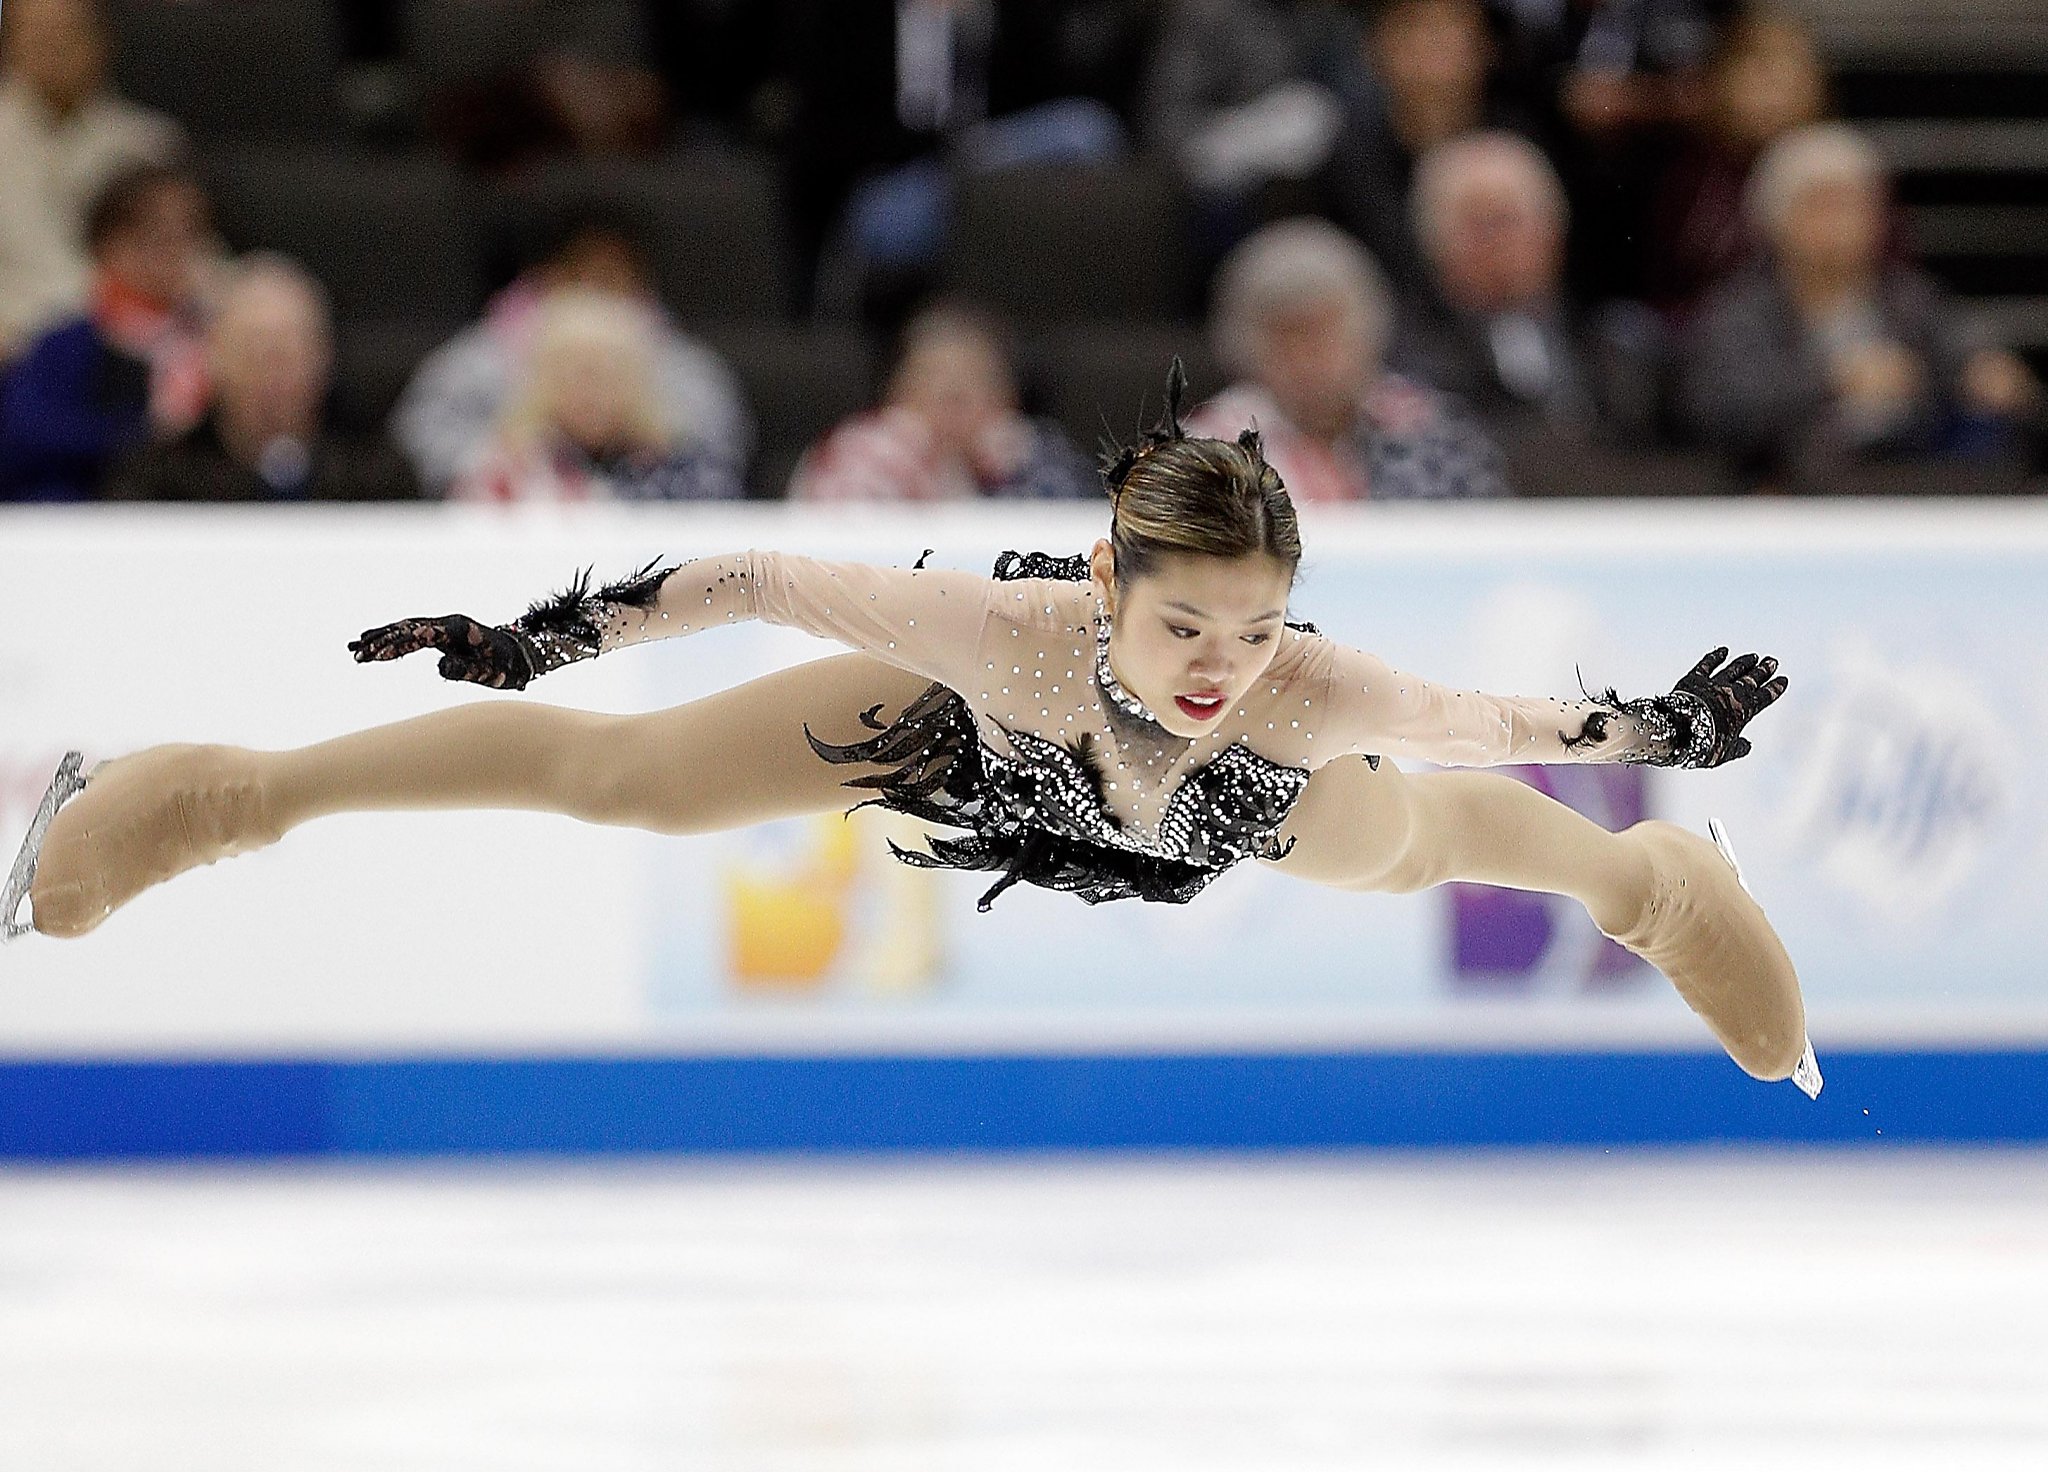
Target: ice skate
x=68, y=782
x=1710, y=938
x=140, y=820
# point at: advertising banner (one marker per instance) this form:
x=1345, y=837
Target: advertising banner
x=1889, y=819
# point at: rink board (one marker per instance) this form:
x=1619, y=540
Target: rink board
x=428, y=1107
x=654, y=990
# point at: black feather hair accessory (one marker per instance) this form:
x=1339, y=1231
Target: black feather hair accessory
x=1118, y=460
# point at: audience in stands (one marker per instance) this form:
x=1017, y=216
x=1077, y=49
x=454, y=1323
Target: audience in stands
x=448, y=413
x=949, y=428
x=134, y=364
x=1765, y=80
x=1435, y=62
x=586, y=420
x=1829, y=351
x=1678, y=279
x=265, y=437
x=1498, y=329
x=63, y=135
x=1301, y=317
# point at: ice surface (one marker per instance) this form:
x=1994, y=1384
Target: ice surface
x=1400, y=1312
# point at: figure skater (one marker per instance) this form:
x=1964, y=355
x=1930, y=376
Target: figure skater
x=1125, y=724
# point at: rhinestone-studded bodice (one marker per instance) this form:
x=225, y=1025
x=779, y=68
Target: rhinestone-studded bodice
x=1065, y=779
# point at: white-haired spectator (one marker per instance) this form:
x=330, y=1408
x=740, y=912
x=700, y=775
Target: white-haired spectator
x=949, y=428
x=64, y=135
x=1502, y=333
x=1301, y=316
x=449, y=413
x=586, y=421
x=1830, y=351
x=270, y=353
x=1434, y=63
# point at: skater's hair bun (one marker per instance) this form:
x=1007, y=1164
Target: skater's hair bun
x=1174, y=492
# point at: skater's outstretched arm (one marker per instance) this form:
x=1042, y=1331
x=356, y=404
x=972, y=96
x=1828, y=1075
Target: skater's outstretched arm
x=1376, y=708
x=926, y=620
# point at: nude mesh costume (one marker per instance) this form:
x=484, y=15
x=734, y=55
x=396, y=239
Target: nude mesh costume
x=1027, y=737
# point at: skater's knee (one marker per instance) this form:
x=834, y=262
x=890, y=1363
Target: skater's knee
x=610, y=775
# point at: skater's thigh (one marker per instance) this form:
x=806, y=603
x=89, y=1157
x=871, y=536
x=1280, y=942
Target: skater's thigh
x=1351, y=826
x=740, y=757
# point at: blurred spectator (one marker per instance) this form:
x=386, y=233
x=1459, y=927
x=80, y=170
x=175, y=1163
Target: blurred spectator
x=1501, y=333
x=589, y=93
x=890, y=99
x=1244, y=97
x=63, y=135
x=135, y=363
x=1302, y=316
x=586, y=421
x=453, y=404
x=1827, y=352
x=1616, y=83
x=1766, y=80
x=949, y=428
x=271, y=352
x=1435, y=62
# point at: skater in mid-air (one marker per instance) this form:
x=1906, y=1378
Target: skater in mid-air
x=1125, y=724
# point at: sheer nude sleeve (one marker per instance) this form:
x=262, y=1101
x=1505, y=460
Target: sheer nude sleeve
x=926, y=620
x=1375, y=708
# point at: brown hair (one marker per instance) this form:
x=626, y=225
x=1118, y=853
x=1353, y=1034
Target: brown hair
x=1173, y=493
x=125, y=198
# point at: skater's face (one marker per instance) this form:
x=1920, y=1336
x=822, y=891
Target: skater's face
x=1191, y=637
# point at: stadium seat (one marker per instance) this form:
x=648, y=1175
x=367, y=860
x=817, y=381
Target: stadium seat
x=263, y=69
x=395, y=239
x=373, y=364
x=799, y=384
x=1072, y=242
x=709, y=219
x=462, y=40
x=1098, y=380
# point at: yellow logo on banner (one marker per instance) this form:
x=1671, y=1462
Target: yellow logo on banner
x=842, y=907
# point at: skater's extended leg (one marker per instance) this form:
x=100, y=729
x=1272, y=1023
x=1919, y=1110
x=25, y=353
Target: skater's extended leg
x=1662, y=891
x=732, y=758
x=1386, y=830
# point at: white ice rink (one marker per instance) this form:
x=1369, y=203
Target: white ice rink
x=1706, y=1311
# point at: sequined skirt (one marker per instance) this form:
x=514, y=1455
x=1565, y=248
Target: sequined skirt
x=939, y=772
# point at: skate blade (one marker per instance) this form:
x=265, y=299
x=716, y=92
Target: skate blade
x=68, y=782
x=1719, y=834
x=1807, y=1074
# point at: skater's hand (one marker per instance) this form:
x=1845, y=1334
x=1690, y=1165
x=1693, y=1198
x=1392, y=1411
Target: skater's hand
x=470, y=651
x=1734, y=693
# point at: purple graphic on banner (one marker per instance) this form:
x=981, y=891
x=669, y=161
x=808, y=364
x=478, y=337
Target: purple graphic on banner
x=1506, y=941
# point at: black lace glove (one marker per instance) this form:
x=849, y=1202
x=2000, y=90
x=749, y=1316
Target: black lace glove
x=560, y=630
x=1699, y=724
x=503, y=658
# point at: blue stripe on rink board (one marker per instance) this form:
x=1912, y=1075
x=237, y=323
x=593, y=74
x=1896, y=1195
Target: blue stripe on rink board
x=84, y=1110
